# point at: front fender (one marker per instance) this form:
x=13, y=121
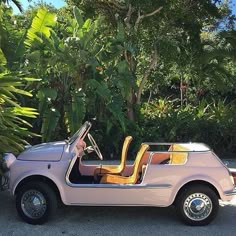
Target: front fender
x=28, y=174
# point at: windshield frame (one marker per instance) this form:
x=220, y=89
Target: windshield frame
x=80, y=133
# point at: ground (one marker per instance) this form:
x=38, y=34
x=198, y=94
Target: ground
x=84, y=221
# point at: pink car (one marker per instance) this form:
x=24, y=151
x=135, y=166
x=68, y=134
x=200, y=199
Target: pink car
x=187, y=175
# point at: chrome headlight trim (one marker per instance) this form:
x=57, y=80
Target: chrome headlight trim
x=8, y=159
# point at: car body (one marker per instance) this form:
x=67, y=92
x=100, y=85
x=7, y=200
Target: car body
x=188, y=175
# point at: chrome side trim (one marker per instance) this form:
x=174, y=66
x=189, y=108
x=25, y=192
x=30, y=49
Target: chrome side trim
x=121, y=186
x=230, y=193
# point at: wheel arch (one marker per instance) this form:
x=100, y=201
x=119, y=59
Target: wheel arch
x=196, y=183
x=39, y=178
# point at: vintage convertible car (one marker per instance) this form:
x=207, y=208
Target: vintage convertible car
x=187, y=175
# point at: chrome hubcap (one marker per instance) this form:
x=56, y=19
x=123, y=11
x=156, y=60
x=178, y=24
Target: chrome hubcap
x=197, y=206
x=33, y=204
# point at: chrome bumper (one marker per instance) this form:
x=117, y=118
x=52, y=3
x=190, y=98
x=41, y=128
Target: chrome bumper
x=231, y=193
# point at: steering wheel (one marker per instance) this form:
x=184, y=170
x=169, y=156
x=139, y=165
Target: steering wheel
x=95, y=146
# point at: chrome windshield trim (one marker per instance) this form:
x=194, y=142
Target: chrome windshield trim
x=82, y=131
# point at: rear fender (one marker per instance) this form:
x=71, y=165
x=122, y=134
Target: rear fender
x=198, y=179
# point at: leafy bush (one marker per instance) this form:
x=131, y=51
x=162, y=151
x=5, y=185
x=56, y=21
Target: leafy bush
x=213, y=124
x=165, y=121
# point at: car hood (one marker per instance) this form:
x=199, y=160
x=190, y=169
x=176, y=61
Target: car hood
x=43, y=152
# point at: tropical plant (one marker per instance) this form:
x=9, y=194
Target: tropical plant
x=211, y=123
x=69, y=55
x=15, y=2
x=13, y=125
x=13, y=116
x=114, y=62
x=144, y=44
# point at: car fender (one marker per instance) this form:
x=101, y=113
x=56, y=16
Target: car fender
x=204, y=178
x=49, y=176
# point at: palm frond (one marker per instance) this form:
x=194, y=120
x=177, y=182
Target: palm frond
x=13, y=128
x=41, y=25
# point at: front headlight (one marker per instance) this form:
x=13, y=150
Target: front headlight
x=5, y=163
x=7, y=160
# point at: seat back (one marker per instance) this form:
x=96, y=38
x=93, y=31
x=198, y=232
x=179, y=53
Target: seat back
x=125, y=148
x=178, y=158
x=138, y=163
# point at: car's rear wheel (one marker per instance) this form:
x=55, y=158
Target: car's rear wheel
x=197, y=205
x=35, y=202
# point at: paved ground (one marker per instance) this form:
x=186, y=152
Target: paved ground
x=113, y=221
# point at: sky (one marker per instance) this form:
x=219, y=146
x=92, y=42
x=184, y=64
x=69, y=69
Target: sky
x=234, y=6
x=26, y=3
x=60, y=3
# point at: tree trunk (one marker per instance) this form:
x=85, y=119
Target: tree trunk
x=147, y=73
x=130, y=105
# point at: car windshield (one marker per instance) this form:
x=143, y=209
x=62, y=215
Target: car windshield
x=81, y=132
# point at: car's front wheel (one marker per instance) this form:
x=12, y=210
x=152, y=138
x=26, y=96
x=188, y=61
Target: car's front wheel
x=197, y=205
x=35, y=202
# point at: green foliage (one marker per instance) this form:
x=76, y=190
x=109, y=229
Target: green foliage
x=13, y=126
x=41, y=25
x=75, y=112
x=16, y=3
x=211, y=123
x=50, y=120
x=95, y=63
x=74, y=75
x=95, y=68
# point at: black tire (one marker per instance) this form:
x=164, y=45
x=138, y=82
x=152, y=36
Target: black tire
x=46, y=195
x=193, y=196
